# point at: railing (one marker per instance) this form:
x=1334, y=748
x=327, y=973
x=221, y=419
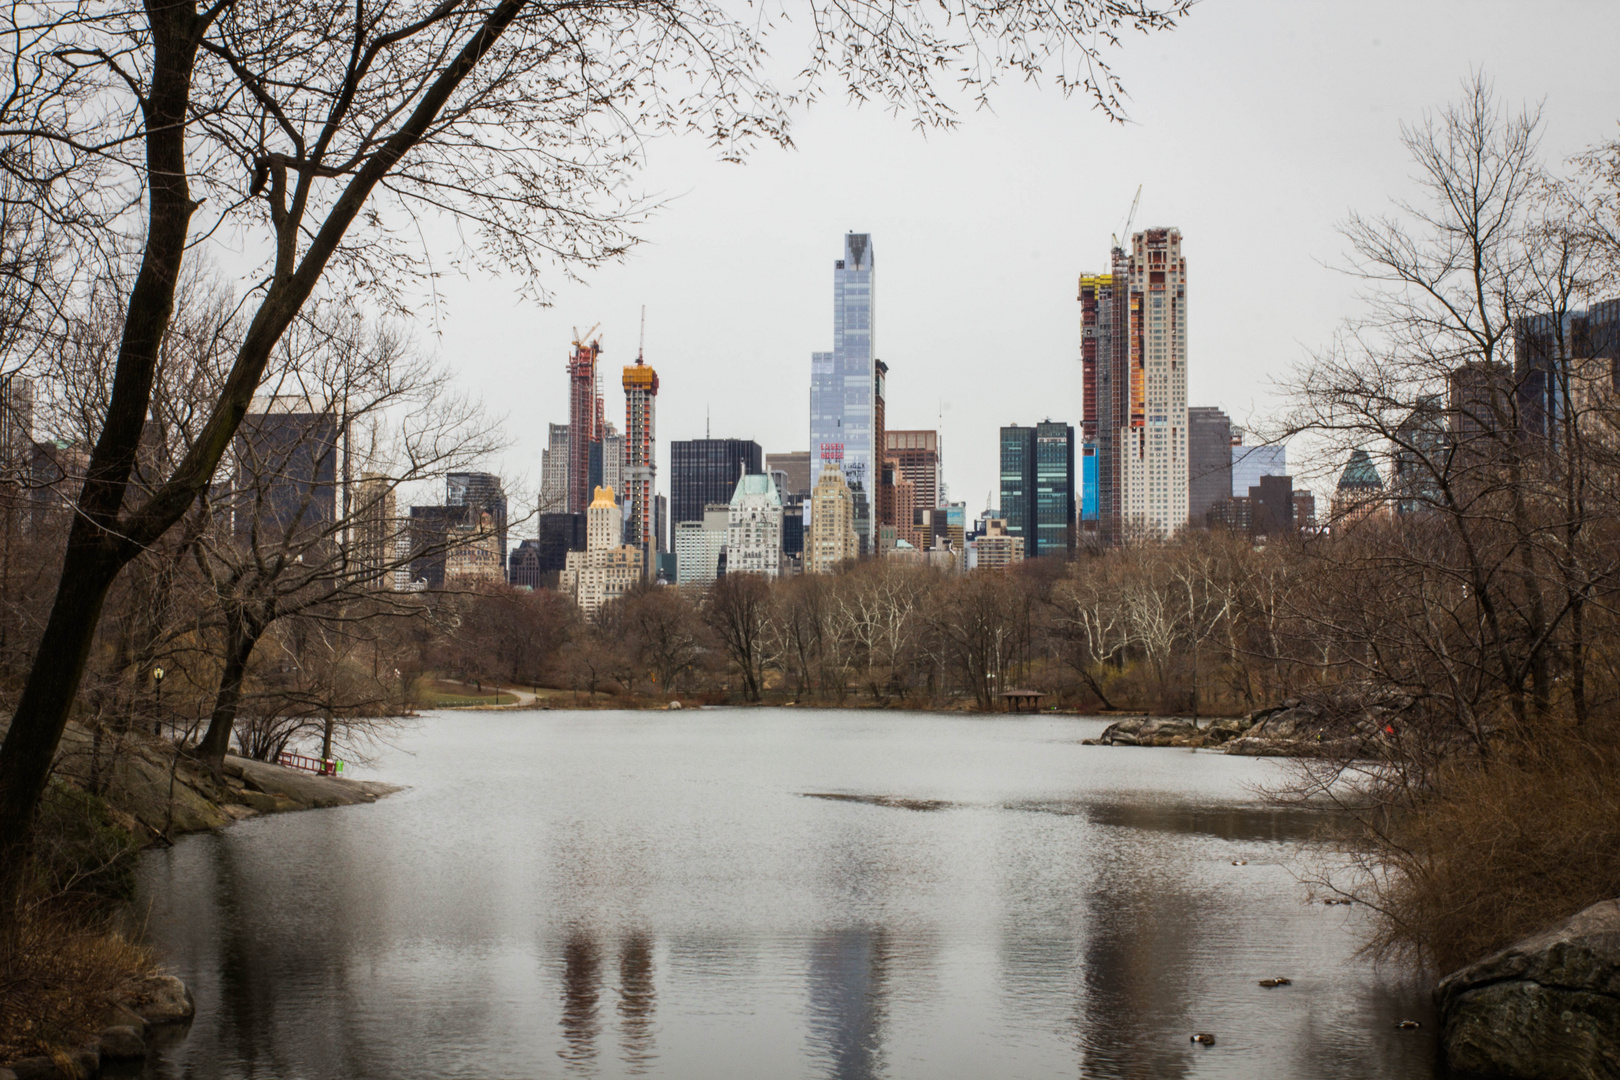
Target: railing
x=318, y=766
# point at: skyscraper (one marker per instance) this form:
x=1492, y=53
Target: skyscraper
x=916, y=458
x=287, y=450
x=1209, y=461
x=844, y=386
x=554, y=471
x=1134, y=343
x=584, y=431
x=704, y=471
x=641, y=459
x=1038, y=486
x=831, y=538
x=483, y=493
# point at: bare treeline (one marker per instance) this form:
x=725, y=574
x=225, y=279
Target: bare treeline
x=1197, y=626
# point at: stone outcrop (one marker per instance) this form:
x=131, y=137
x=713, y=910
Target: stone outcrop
x=164, y=1000
x=1291, y=729
x=1545, y=1007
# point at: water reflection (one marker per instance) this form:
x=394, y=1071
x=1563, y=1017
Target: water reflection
x=847, y=977
x=977, y=899
x=637, y=1001
x=581, y=989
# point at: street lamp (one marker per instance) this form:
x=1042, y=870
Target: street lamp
x=157, y=681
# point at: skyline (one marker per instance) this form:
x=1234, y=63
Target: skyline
x=735, y=271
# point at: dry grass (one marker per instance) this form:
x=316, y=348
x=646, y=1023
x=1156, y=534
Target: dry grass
x=58, y=979
x=1502, y=849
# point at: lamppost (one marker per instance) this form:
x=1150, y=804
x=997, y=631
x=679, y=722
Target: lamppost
x=157, y=684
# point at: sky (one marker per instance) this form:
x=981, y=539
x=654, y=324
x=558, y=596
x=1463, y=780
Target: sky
x=1254, y=128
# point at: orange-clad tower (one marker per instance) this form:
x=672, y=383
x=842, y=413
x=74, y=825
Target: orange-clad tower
x=641, y=458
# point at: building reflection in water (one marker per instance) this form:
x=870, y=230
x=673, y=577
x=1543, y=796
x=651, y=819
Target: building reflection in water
x=637, y=1000
x=848, y=975
x=582, y=990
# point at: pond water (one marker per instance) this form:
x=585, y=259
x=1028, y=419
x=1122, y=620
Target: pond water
x=774, y=893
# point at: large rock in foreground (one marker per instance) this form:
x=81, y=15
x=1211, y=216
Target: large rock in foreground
x=1545, y=1008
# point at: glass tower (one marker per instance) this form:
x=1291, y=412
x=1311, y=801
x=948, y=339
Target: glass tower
x=843, y=384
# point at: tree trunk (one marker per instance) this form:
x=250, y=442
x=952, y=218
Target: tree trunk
x=241, y=636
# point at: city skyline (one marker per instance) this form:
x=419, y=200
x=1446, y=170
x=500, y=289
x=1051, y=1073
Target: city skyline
x=736, y=289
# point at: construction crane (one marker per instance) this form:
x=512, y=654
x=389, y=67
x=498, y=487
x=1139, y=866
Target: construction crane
x=1130, y=217
x=580, y=339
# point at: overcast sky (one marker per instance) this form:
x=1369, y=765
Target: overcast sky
x=1254, y=128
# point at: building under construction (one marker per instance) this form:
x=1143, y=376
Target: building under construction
x=584, y=421
x=640, y=458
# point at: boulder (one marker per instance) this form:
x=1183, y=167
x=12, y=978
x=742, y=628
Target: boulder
x=120, y=1015
x=164, y=999
x=122, y=1043
x=1545, y=1007
x=80, y=1064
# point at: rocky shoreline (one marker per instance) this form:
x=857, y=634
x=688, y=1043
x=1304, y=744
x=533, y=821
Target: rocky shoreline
x=1291, y=729
x=153, y=797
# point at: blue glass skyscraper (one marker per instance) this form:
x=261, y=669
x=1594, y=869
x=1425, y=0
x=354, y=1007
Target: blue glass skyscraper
x=843, y=382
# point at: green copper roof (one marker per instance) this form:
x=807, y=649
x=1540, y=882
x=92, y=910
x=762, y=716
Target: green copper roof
x=756, y=484
x=1360, y=473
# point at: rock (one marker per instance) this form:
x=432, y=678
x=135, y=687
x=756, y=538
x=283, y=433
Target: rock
x=165, y=1000
x=121, y=1015
x=674, y=705
x=1547, y=1006
x=122, y=1043
x=80, y=1064
x=258, y=801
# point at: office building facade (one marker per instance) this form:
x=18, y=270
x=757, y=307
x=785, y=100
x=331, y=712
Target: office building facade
x=1250, y=463
x=831, y=538
x=1209, y=461
x=844, y=385
x=705, y=471
x=1038, y=486
x=483, y=493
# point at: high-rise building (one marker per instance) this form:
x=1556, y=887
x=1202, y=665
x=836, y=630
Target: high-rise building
x=1105, y=355
x=481, y=491
x=1359, y=493
x=1054, y=488
x=554, y=471
x=473, y=553
x=1250, y=463
x=916, y=459
x=1018, y=484
x=607, y=568
x=795, y=465
x=995, y=548
x=16, y=426
x=584, y=429
x=287, y=452
x=641, y=459
x=374, y=529
x=832, y=539
x=754, y=528
x=1544, y=347
x=704, y=471
x=882, y=473
x=1209, y=461
x=844, y=385
x=1134, y=346
x=613, y=462
x=1038, y=486
x=700, y=545
x=555, y=536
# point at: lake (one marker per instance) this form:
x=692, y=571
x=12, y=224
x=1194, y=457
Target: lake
x=775, y=893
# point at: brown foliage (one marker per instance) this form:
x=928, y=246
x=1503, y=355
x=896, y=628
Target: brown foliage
x=58, y=977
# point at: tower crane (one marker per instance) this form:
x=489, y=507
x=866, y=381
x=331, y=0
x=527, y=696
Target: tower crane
x=1131, y=216
x=580, y=339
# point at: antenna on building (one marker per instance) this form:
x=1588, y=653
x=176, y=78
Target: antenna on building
x=1130, y=217
x=641, y=349
x=706, y=411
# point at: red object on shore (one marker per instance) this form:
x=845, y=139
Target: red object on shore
x=328, y=767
